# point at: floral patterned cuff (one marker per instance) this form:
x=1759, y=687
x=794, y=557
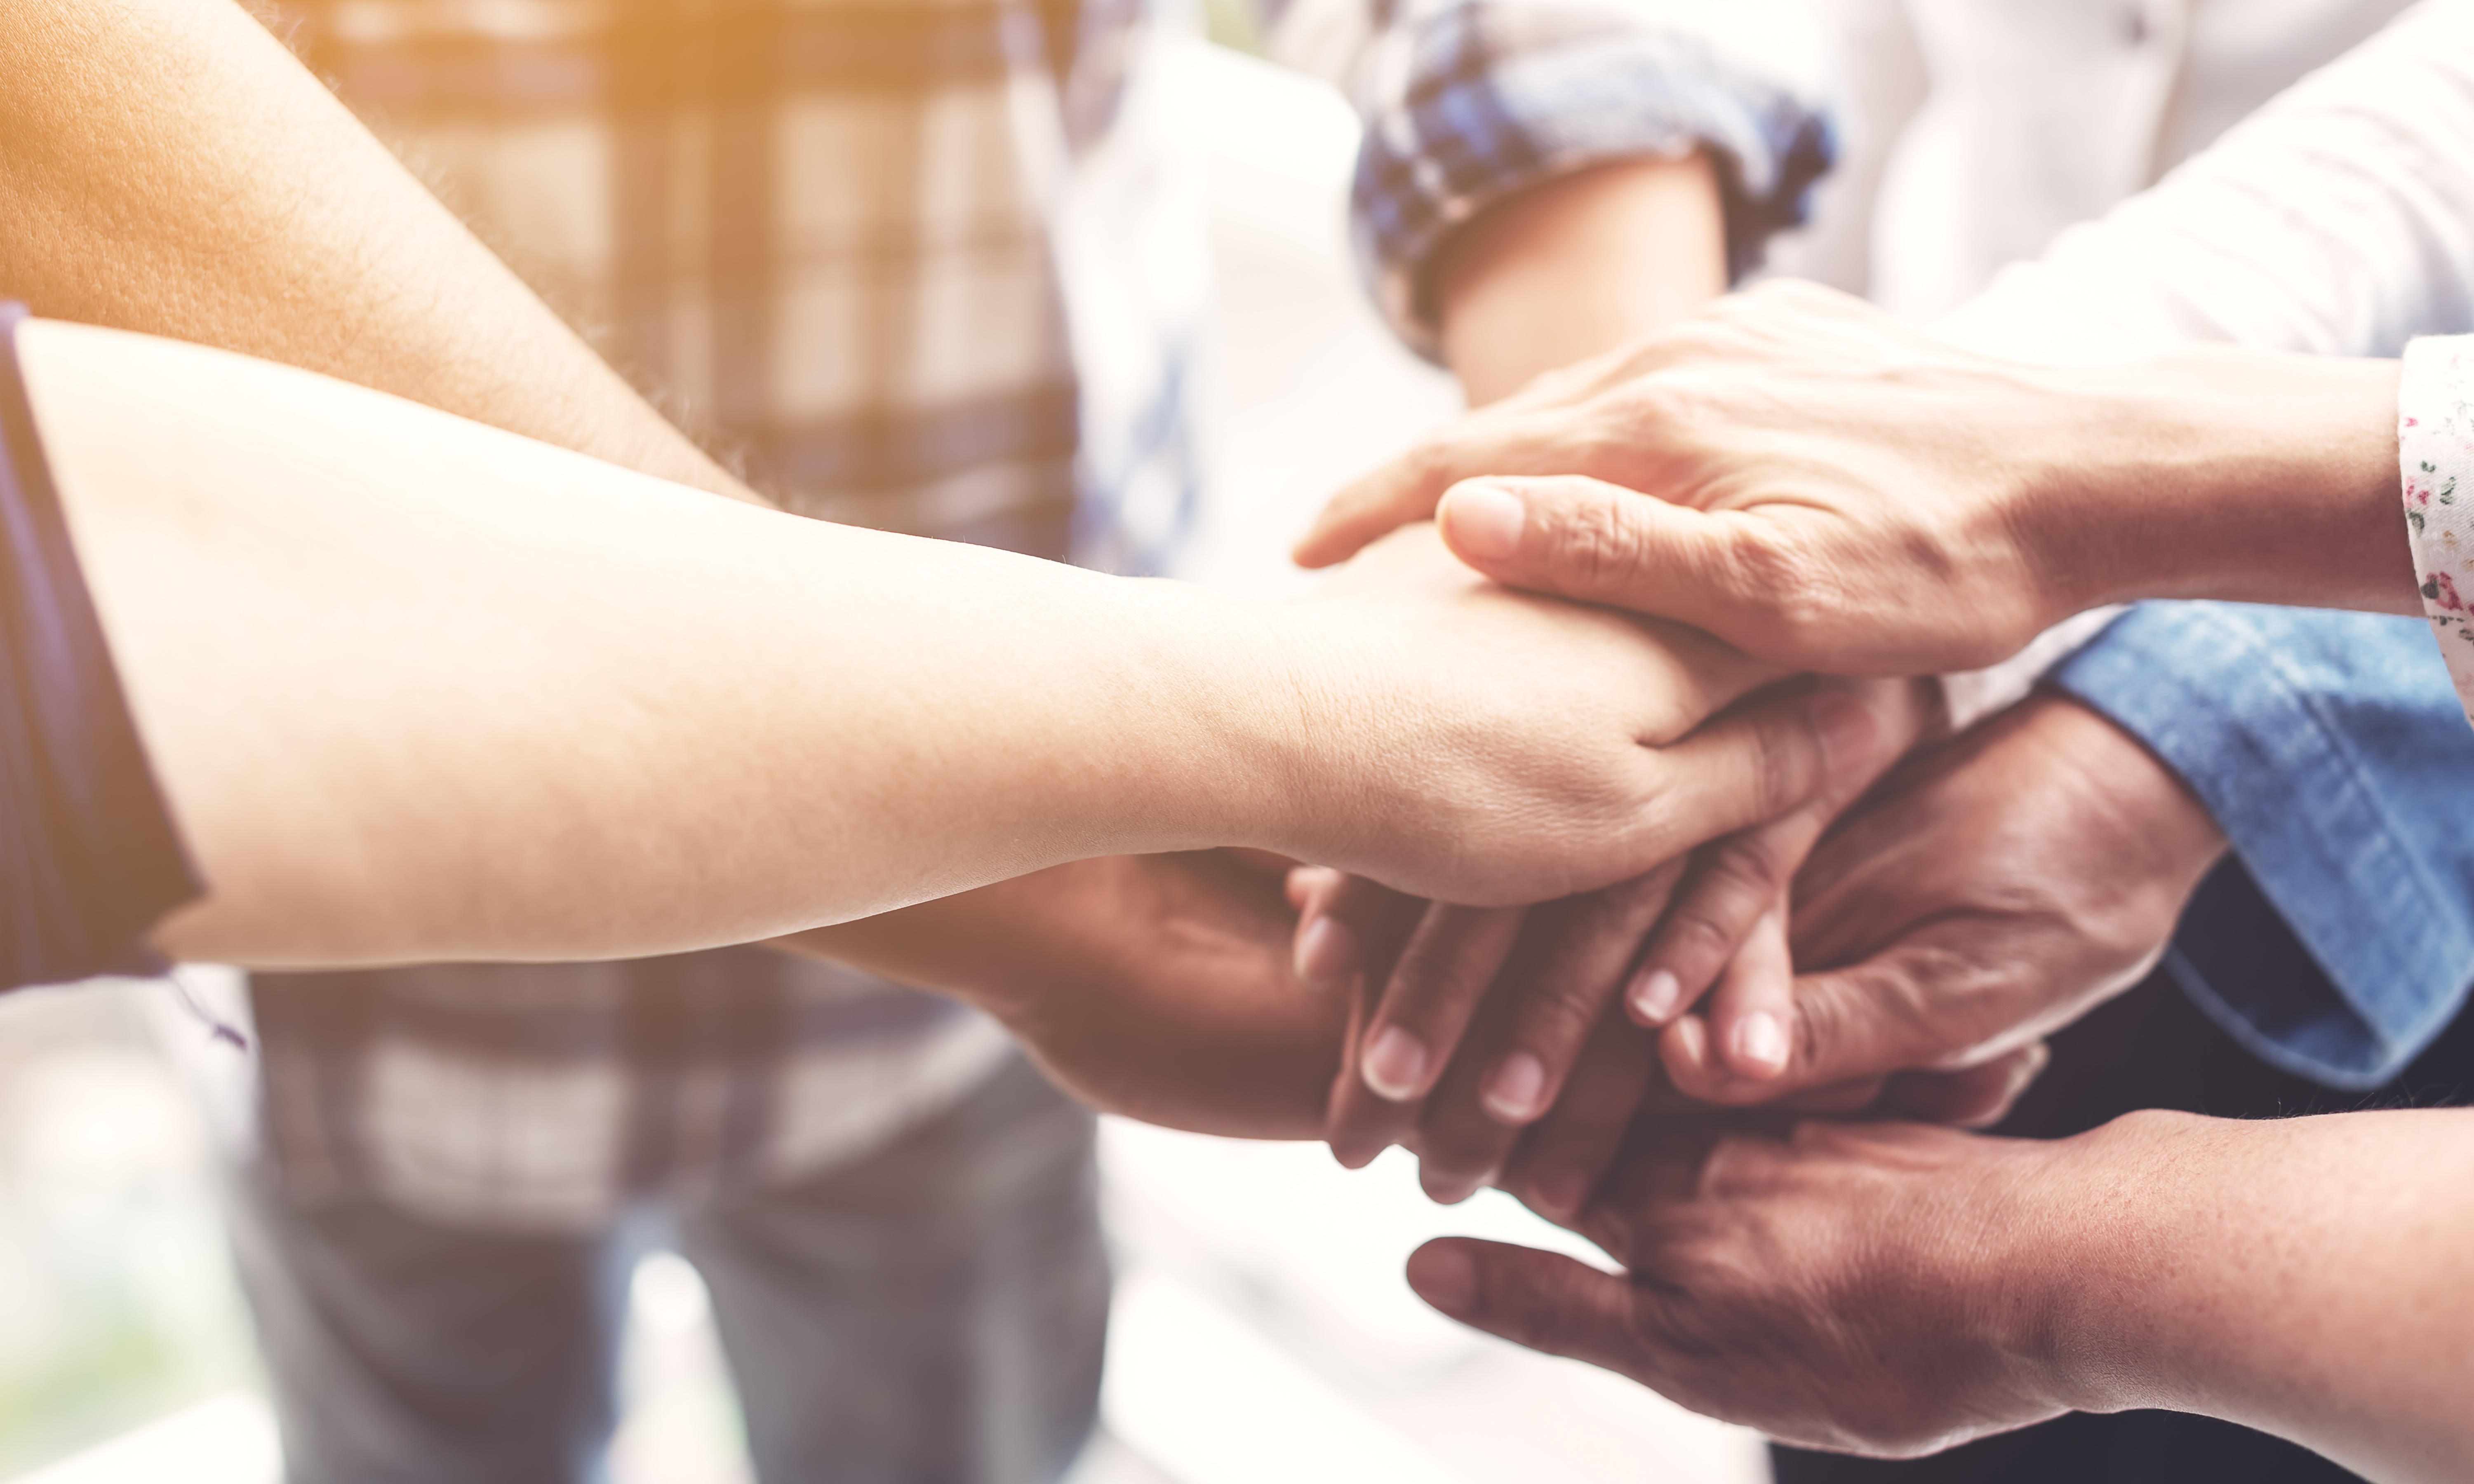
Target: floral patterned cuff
x=2435, y=455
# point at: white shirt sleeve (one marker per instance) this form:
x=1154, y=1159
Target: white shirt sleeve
x=2336, y=220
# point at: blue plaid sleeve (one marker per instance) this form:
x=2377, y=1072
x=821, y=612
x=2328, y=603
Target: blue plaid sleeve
x=1470, y=101
x=2339, y=940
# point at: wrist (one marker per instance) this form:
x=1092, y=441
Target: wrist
x=2241, y=475
x=2083, y=1307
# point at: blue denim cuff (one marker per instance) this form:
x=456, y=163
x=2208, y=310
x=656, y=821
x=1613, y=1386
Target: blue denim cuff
x=2331, y=751
x=1494, y=98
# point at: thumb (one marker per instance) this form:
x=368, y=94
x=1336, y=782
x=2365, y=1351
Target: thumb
x=1406, y=489
x=1598, y=542
x=1542, y=1300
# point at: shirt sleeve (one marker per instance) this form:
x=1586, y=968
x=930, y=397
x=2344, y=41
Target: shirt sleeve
x=2339, y=940
x=92, y=860
x=2435, y=465
x=1467, y=101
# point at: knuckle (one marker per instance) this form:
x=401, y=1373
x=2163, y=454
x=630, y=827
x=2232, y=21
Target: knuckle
x=1596, y=547
x=1745, y=873
x=1694, y=930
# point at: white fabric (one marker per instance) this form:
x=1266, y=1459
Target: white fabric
x=2435, y=464
x=1979, y=133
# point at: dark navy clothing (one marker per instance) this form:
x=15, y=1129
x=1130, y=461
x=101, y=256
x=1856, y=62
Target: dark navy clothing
x=93, y=860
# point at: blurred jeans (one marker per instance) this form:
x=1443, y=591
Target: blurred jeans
x=931, y=1314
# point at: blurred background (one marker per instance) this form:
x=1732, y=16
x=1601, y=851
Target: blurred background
x=1262, y=1330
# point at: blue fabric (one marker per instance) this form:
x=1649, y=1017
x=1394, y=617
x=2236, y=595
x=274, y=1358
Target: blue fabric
x=2332, y=750
x=92, y=861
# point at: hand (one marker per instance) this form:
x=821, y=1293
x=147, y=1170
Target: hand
x=1837, y=490
x=1154, y=986
x=1488, y=747
x=1843, y=1286
x=1483, y=1012
x=1995, y=889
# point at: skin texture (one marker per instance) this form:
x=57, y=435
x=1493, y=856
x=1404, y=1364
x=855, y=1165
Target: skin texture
x=406, y=777
x=1470, y=1022
x=1894, y=1289
x=1996, y=888
x=1839, y=492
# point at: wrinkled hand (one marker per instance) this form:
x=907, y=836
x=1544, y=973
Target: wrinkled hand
x=1842, y=1285
x=1479, y=1015
x=1994, y=890
x=1487, y=746
x=1834, y=490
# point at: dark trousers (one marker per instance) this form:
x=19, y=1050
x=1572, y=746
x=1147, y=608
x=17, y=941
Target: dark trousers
x=2151, y=1048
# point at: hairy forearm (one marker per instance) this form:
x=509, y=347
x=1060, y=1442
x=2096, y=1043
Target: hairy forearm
x=169, y=168
x=1577, y=266
x=420, y=689
x=2302, y=1276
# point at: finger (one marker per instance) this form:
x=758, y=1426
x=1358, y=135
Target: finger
x=1531, y=439
x=1544, y=1300
x=1559, y=1163
x=1450, y=957
x=1340, y=916
x=1736, y=880
x=1751, y=767
x=1599, y=542
x=1516, y=1057
x=1562, y=994
x=1975, y=1097
x=1754, y=1003
x=1733, y=883
x=1865, y=1021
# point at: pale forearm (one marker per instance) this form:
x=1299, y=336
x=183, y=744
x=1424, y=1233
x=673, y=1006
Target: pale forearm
x=1577, y=266
x=2305, y=1277
x=420, y=689
x=170, y=168
x=2249, y=476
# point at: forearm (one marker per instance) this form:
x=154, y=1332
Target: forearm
x=2252, y=476
x=1576, y=265
x=2301, y=1276
x=1155, y=986
x=170, y=169
x=417, y=689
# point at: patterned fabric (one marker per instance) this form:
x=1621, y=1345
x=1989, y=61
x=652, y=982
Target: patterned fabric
x=2436, y=456
x=927, y=265
x=93, y=859
x=1470, y=101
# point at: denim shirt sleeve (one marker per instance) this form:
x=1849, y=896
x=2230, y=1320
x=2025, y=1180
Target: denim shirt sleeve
x=1467, y=101
x=2338, y=939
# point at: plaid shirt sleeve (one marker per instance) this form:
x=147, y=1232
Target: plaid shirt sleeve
x=1466, y=101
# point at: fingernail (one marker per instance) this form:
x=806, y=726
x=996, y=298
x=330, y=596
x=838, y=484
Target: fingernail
x=1653, y=999
x=1448, y=1190
x=1483, y=520
x=1845, y=727
x=1517, y=1087
x=1760, y=1043
x=1326, y=953
x=1395, y=1065
x=1445, y=1277
x=1559, y=1192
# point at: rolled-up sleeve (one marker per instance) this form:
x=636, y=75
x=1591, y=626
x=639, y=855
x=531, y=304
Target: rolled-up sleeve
x=2332, y=751
x=1467, y=103
x=92, y=860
